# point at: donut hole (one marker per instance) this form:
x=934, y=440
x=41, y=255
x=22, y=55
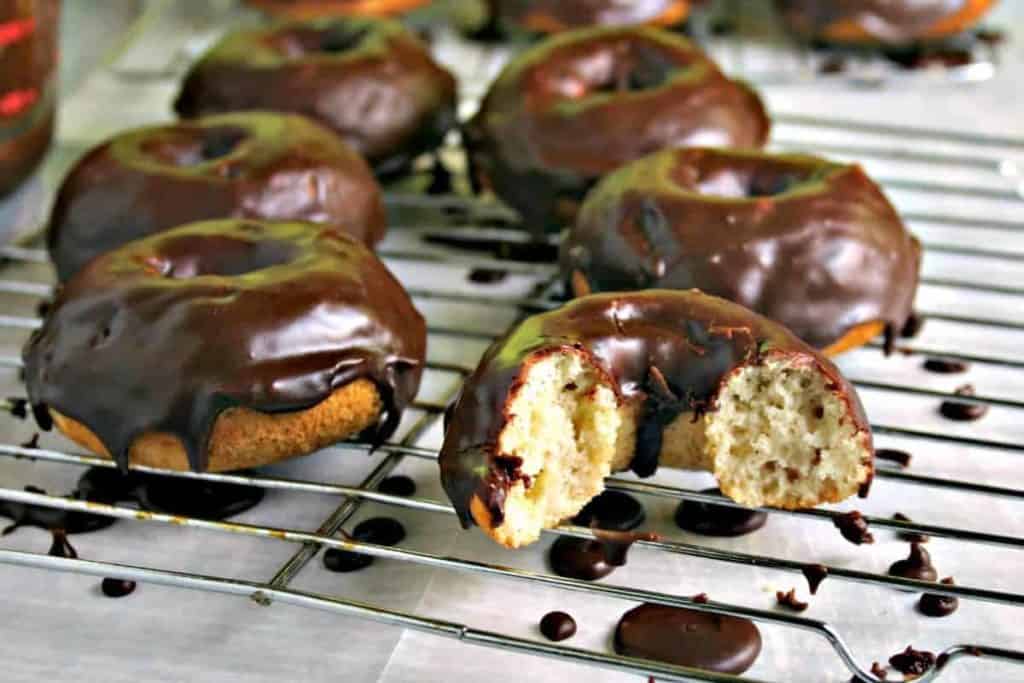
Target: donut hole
x=749, y=183
x=337, y=38
x=197, y=146
x=781, y=437
x=217, y=255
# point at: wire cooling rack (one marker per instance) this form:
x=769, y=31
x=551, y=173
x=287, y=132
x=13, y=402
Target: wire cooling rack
x=959, y=191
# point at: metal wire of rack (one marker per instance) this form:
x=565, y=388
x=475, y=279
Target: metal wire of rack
x=989, y=154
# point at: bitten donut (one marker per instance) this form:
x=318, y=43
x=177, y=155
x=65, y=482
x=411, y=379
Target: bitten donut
x=226, y=344
x=314, y=9
x=641, y=379
x=811, y=244
x=881, y=21
x=583, y=103
x=372, y=81
x=243, y=165
x=553, y=16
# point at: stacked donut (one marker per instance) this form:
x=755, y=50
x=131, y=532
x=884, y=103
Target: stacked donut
x=218, y=278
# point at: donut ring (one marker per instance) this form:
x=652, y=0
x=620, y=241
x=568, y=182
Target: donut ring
x=370, y=80
x=639, y=380
x=226, y=344
x=811, y=244
x=583, y=103
x=315, y=9
x=875, y=21
x=246, y=165
x=555, y=16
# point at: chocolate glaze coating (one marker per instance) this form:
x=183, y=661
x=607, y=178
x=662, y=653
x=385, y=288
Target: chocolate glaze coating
x=305, y=9
x=548, y=16
x=884, y=21
x=812, y=244
x=372, y=81
x=693, y=339
x=242, y=165
x=688, y=638
x=572, y=108
x=180, y=326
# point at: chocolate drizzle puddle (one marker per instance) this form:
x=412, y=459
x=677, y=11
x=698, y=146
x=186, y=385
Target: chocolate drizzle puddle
x=557, y=626
x=117, y=588
x=398, y=485
x=960, y=411
x=376, y=530
x=709, y=519
x=917, y=565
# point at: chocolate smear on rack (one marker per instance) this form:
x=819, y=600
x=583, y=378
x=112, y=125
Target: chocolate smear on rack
x=960, y=411
x=901, y=458
x=853, y=527
x=686, y=637
x=935, y=605
x=789, y=600
x=709, y=519
x=912, y=662
x=917, y=565
x=815, y=574
x=557, y=626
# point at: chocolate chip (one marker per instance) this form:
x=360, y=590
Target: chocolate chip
x=557, y=626
x=912, y=662
x=398, y=485
x=935, y=605
x=853, y=527
x=789, y=600
x=901, y=458
x=117, y=588
x=945, y=366
x=963, y=412
x=917, y=565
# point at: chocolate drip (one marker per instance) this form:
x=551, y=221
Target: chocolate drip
x=918, y=565
x=909, y=536
x=646, y=226
x=912, y=662
x=708, y=519
x=935, y=605
x=182, y=326
x=789, y=600
x=60, y=546
x=398, y=485
x=557, y=626
x=901, y=458
x=117, y=588
x=377, y=530
x=853, y=527
x=371, y=81
x=815, y=574
x=688, y=638
x=960, y=411
x=612, y=510
x=945, y=366
x=579, y=558
x=692, y=340
x=256, y=165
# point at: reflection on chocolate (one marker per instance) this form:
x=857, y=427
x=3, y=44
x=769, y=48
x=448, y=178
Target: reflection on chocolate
x=918, y=565
x=815, y=574
x=853, y=527
x=912, y=662
x=557, y=626
x=117, y=588
x=960, y=411
x=901, y=458
x=687, y=637
x=909, y=536
x=487, y=276
x=945, y=366
x=612, y=510
x=60, y=546
x=398, y=485
x=709, y=519
x=788, y=599
x=934, y=605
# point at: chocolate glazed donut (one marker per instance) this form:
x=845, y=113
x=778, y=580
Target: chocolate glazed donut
x=881, y=21
x=313, y=9
x=372, y=81
x=226, y=344
x=811, y=244
x=243, y=165
x=583, y=103
x=553, y=16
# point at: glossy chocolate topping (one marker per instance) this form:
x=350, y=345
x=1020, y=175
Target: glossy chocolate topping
x=811, y=244
x=164, y=334
x=372, y=81
x=692, y=340
x=243, y=165
x=548, y=16
x=574, y=107
x=688, y=638
x=881, y=20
